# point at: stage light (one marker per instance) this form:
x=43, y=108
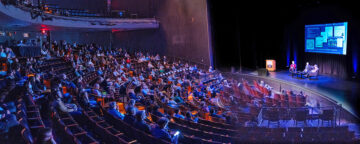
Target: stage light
x=43, y=31
x=355, y=63
x=26, y=35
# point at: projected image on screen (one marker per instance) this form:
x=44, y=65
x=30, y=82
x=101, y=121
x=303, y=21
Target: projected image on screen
x=326, y=38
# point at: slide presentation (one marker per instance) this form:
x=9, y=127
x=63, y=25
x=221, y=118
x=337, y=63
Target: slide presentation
x=326, y=38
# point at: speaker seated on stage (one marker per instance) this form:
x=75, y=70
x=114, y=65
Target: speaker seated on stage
x=308, y=67
x=292, y=68
x=314, y=72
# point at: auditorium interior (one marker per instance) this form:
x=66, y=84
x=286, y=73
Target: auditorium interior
x=179, y=71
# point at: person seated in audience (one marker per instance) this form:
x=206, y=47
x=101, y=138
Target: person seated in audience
x=2, y=53
x=214, y=114
x=160, y=131
x=9, y=52
x=188, y=117
x=178, y=99
x=66, y=82
x=61, y=105
x=36, y=87
x=204, y=107
x=130, y=116
x=178, y=114
x=133, y=96
x=131, y=104
x=65, y=97
x=7, y=120
x=113, y=110
x=96, y=91
x=89, y=100
x=170, y=102
x=140, y=122
x=18, y=75
x=45, y=136
x=156, y=111
x=292, y=67
x=31, y=70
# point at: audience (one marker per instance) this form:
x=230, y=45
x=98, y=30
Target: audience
x=157, y=83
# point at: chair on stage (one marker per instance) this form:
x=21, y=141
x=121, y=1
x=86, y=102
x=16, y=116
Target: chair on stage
x=313, y=74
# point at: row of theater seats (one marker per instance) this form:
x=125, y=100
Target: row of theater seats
x=192, y=134
x=106, y=132
x=70, y=130
x=140, y=136
x=69, y=127
x=205, y=130
x=29, y=118
x=278, y=100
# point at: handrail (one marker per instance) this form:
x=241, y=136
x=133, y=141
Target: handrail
x=335, y=118
x=259, y=117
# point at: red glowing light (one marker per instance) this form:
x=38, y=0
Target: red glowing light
x=114, y=30
x=43, y=31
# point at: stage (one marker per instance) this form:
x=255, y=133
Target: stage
x=345, y=92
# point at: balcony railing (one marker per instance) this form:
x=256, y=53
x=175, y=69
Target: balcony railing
x=56, y=10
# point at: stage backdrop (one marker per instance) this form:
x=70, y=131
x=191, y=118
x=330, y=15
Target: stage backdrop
x=329, y=64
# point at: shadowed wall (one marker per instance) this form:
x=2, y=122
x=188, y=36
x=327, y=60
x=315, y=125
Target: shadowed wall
x=183, y=30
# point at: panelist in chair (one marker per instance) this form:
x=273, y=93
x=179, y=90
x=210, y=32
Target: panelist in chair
x=314, y=71
x=292, y=67
x=307, y=68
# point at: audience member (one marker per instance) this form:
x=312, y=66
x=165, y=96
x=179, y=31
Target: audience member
x=113, y=110
x=140, y=123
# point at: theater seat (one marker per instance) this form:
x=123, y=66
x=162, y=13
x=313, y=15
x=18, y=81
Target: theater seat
x=27, y=136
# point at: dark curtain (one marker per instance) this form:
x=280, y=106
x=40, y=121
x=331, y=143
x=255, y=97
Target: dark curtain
x=328, y=64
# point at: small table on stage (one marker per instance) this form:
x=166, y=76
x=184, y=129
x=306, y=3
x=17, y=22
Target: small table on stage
x=298, y=73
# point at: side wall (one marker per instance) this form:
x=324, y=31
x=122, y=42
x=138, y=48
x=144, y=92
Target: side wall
x=183, y=31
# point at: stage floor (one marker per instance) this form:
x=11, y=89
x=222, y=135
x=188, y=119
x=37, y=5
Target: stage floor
x=343, y=91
